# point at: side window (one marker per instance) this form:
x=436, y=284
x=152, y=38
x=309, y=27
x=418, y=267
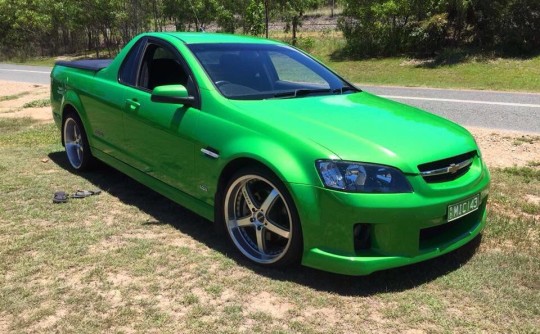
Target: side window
x=161, y=67
x=288, y=69
x=128, y=70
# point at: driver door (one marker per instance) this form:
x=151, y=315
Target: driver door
x=156, y=134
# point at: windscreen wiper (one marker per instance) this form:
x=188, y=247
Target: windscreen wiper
x=344, y=89
x=302, y=92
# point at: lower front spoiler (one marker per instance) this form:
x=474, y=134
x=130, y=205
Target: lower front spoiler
x=364, y=265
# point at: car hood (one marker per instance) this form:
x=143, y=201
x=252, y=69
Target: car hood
x=363, y=127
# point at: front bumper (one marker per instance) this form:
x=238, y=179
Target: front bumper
x=403, y=228
x=364, y=265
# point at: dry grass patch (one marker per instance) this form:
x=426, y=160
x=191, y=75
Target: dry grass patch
x=505, y=148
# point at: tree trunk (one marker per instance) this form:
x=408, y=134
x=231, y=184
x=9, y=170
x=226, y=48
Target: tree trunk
x=294, y=27
x=154, y=7
x=90, y=44
x=266, y=18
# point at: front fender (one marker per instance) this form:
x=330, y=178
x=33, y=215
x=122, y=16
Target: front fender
x=290, y=167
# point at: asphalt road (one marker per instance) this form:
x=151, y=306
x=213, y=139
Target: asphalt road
x=488, y=109
x=23, y=73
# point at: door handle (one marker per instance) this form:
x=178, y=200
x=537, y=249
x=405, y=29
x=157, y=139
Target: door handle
x=132, y=105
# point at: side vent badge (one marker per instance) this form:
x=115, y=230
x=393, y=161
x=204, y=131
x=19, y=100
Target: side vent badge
x=210, y=152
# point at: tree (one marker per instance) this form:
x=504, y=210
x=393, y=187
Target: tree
x=245, y=14
x=192, y=12
x=391, y=27
x=511, y=25
x=377, y=27
x=293, y=12
x=254, y=17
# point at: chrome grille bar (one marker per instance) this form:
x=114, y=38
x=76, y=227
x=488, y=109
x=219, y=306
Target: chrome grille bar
x=452, y=169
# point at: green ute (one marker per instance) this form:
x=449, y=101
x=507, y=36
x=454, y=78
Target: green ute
x=292, y=163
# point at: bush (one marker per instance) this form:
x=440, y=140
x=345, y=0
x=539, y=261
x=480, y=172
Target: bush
x=520, y=28
x=305, y=43
x=429, y=36
x=425, y=27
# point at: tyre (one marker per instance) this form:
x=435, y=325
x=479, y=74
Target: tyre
x=76, y=143
x=261, y=219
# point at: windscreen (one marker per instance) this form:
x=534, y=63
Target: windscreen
x=262, y=71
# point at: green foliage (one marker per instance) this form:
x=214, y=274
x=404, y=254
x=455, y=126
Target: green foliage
x=371, y=27
x=306, y=43
x=515, y=26
x=429, y=35
x=249, y=15
x=391, y=27
x=41, y=27
x=191, y=14
x=292, y=12
x=376, y=27
x=254, y=18
x=23, y=22
x=44, y=28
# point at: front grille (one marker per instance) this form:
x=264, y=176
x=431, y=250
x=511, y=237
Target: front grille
x=449, y=175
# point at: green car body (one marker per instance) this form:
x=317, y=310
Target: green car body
x=189, y=147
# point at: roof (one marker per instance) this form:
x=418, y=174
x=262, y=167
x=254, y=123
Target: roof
x=204, y=37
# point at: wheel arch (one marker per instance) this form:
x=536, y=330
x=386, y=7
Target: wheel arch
x=226, y=174
x=253, y=161
x=237, y=163
x=290, y=164
x=232, y=166
x=72, y=103
x=294, y=164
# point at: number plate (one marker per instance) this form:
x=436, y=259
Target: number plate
x=461, y=209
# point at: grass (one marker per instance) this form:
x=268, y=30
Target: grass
x=36, y=61
x=130, y=260
x=38, y=103
x=15, y=125
x=501, y=74
x=325, y=11
x=526, y=140
x=13, y=97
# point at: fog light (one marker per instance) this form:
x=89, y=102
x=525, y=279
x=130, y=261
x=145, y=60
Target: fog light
x=362, y=237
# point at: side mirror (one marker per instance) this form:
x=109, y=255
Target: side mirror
x=176, y=94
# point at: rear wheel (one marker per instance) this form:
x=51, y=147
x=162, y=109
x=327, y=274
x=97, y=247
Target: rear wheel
x=76, y=143
x=261, y=218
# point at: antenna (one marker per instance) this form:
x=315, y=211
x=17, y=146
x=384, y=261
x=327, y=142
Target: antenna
x=196, y=18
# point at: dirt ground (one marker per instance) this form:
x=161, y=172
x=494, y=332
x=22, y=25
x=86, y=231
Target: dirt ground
x=14, y=95
x=500, y=148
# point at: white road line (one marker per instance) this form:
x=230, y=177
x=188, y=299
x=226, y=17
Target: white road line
x=27, y=71
x=461, y=101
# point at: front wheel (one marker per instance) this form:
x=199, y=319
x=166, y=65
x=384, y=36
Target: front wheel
x=261, y=218
x=76, y=143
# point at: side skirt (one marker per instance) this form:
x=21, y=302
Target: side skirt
x=203, y=209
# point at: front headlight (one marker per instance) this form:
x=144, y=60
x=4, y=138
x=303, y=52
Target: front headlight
x=362, y=177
